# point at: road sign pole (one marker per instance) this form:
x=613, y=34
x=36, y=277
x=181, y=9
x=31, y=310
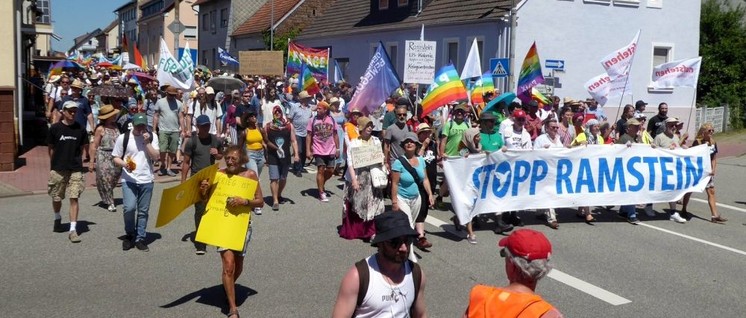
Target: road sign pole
x=176, y=34
x=511, y=77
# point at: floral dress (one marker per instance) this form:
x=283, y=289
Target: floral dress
x=107, y=174
x=360, y=207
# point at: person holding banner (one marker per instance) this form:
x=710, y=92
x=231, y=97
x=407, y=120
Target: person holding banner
x=668, y=140
x=407, y=178
x=591, y=135
x=550, y=139
x=235, y=160
x=704, y=137
x=628, y=212
x=362, y=200
x=566, y=130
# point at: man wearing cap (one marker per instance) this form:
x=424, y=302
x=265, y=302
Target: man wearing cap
x=135, y=151
x=167, y=119
x=300, y=115
x=385, y=284
x=66, y=141
x=657, y=124
x=517, y=137
x=526, y=254
x=630, y=137
x=669, y=140
x=83, y=116
x=200, y=151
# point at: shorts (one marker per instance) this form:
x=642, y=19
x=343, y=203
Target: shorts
x=168, y=141
x=278, y=171
x=711, y=184
x=324, y=161
x=245, y=243
x=65, y=184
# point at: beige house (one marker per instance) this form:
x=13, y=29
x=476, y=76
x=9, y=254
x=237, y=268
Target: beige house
x=108, y=38
x=156, y=16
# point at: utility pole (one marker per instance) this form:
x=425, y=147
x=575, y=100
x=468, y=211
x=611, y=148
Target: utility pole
x=176, y=31
x=511, y=76
x=272, y=27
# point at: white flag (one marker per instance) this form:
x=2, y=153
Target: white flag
x=681, y=73
x=602, y=87
x=619, y=62
x=473, y=66
x=175, y=73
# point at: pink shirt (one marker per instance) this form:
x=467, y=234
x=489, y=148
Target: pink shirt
x=323, y=133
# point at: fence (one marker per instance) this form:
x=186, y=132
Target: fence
x=718, y=116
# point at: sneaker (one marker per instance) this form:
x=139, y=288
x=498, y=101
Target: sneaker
x=323, y=197
x=127, y=243
x=258, y=211
x=633, y=220
x=142, y=246
x=501, y=227
x=57, y=227
x=171, y=173
x=649, y=211
x=677, y=218
x=73, y=236
x=423, y=243
x=162, y=172
x=200, y=252
x=472, y=239
x=112, y=208
x=298, y=174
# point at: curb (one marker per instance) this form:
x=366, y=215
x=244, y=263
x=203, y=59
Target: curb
x=37, y=192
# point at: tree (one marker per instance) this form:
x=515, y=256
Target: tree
x=722, y=46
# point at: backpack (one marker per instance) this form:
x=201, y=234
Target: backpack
x=364, y=278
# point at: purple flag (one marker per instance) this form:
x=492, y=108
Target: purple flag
x=379, y=80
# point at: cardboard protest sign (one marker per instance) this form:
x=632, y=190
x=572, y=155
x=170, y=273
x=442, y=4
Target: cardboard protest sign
x=363, y=156
x=176, y=199
x=261, y=63
x=222, y=225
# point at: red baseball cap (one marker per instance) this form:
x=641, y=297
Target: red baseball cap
x=519, y=113
x=528, y=244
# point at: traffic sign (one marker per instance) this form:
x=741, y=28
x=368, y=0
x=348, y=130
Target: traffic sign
x=555, y=64
x=176, y=27
x=500, y=67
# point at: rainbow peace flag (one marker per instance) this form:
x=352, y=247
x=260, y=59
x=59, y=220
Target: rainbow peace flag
x=530, y=74
x=317, y=60
x=446, y=87
x=482, y=86
x=308, y=81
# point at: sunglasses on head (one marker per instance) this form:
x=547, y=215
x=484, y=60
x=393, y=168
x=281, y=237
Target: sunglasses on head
x=399, y=241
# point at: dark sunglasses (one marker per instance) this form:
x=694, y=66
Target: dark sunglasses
x=401, y=115
x=395, y=243
x=554, y=127
x=503, y=253
x=65, y=82
x=710, y=130
x=408, y=141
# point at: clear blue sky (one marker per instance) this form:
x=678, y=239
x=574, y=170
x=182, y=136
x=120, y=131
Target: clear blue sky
x=72, y=18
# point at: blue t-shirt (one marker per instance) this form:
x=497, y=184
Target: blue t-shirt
x=407, y=188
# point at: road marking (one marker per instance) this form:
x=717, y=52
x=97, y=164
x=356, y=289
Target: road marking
x=737, y=251
x=722, y=205
x=588, y=288
x=556, y=274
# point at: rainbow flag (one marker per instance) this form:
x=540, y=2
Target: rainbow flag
x=483, y=86
x=309, y=82
x=539, y=97
x=138, y=58
x=530, y=74
x=317, y=60
x=446, y=87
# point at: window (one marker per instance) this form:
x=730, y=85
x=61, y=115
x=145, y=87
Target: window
x=658, y=4
x=403, y=3
x=190, y=32
x=392, y=48
x=213, y=16
x=43, y=6
x=383, y=4
x=204, y=57
x=661, y=54
x=343, y=63
x=205, y=22
x=451, y=53
x=627, y=2
x=224, y=18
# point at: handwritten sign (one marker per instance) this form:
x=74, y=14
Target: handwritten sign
x=176, y=199
x=261, y=62
x=222, y=225
x=419, y=62
x=363, y=156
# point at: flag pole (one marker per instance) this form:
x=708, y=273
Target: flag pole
x=629, y=72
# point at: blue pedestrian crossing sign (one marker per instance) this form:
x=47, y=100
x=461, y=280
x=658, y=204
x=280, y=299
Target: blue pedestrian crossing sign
x=500, y=67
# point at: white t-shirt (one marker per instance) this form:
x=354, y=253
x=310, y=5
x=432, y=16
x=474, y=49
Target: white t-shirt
x=214, y=114
x=544, y=140
x=515, y=140
x=266, y=110
x=143, y=172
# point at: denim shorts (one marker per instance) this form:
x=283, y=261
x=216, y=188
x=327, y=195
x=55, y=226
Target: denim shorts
x=278, y=171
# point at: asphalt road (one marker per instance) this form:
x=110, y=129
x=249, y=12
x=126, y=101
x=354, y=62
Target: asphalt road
x=296, y=261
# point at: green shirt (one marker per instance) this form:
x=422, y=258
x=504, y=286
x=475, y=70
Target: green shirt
x=491, y=142
x=453, y=133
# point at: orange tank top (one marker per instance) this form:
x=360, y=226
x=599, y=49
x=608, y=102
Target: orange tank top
x=488, y=301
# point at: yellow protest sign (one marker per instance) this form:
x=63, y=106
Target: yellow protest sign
x=225, y=226
x=176, y=199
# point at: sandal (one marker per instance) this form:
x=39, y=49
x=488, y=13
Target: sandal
x=233, y=313
x=718, y=219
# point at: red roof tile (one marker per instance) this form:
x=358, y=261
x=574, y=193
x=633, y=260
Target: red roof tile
x=261, y=20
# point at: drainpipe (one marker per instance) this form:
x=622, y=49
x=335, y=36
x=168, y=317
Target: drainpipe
x=19, y=77
x=513, y=19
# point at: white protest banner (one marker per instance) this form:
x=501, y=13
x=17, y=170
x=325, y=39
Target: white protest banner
x=602, y=87
x=618, y=63
x=363, y=156
x=598, y=175
x=419, y=62
x=175, y=73
x=681, y=73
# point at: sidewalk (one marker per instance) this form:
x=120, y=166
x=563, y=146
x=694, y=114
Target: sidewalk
x=32, y=177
